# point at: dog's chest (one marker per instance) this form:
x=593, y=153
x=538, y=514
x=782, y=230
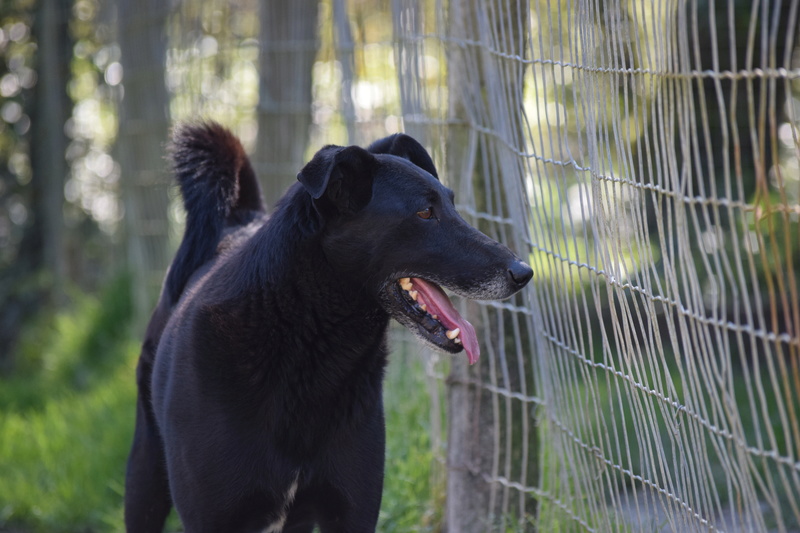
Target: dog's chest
x=288, y=498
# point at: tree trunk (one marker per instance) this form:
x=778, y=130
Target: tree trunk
x=47, y=132
x=144, y=123
x=37, y=276
x=345, y=54
x=288, y=50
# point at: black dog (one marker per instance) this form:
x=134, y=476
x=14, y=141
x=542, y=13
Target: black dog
x=260, y=401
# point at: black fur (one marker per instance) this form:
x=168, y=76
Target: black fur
x=260, y=379
x=219, y=189
x=407, y=147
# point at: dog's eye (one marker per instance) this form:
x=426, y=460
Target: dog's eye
x=425, y=213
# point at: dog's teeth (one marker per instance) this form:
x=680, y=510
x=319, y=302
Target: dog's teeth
x=413, y=294
x=423, y=307
x=435, y=317
x=406, y=284
x=457, y=340
x=452, y=333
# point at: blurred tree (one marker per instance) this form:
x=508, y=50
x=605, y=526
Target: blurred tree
x=35, y=275
x=144, y=123
x=289, y=44
x=52, y=108
x=14, y=178
x=734, y=150
x=728, y=149
x=345, y=48
x=92, y=214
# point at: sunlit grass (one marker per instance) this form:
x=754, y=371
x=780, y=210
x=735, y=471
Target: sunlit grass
x=412, y=500
x=63, y=465
x=66, y=419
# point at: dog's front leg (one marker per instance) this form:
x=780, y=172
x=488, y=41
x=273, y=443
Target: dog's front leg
x=355, y=465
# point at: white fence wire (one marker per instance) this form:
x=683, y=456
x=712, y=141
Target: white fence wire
x=646, y=155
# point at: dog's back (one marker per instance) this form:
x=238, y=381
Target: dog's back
x=221, y=196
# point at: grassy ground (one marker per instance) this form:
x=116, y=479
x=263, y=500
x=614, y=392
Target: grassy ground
x=413, y=498
x=66, y=420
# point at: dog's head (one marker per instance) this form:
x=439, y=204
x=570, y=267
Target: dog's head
x=391, y=228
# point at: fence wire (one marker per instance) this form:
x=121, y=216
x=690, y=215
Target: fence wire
x=646, y=156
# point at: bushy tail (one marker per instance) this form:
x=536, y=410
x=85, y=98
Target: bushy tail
x=219, y=189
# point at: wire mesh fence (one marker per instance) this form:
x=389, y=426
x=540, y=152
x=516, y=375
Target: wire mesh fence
x=645, y=156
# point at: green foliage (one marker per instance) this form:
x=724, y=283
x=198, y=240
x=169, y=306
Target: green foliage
x=17, y=58
x=413, y=498
x=71, y=351
x=66, y=418
x=63, y=465
x=612, y=421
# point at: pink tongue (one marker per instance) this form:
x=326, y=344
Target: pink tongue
x=439, y=304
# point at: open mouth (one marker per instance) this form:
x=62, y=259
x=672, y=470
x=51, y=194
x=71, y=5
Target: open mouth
x=428, y=311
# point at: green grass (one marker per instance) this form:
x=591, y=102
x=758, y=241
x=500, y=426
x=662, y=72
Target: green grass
x=63, y=465
x=412, y=500
x=67, y=415
x=66, y=419
x=617, y=414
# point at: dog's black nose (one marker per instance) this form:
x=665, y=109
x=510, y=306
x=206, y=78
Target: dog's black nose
x=520, y=273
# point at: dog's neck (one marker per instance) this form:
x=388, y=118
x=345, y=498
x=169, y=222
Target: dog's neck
x=290, y=263
x=320, y=340
x=289, y=282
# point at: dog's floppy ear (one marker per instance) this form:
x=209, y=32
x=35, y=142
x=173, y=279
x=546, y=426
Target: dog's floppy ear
x=407, y=147
x=339, y=179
